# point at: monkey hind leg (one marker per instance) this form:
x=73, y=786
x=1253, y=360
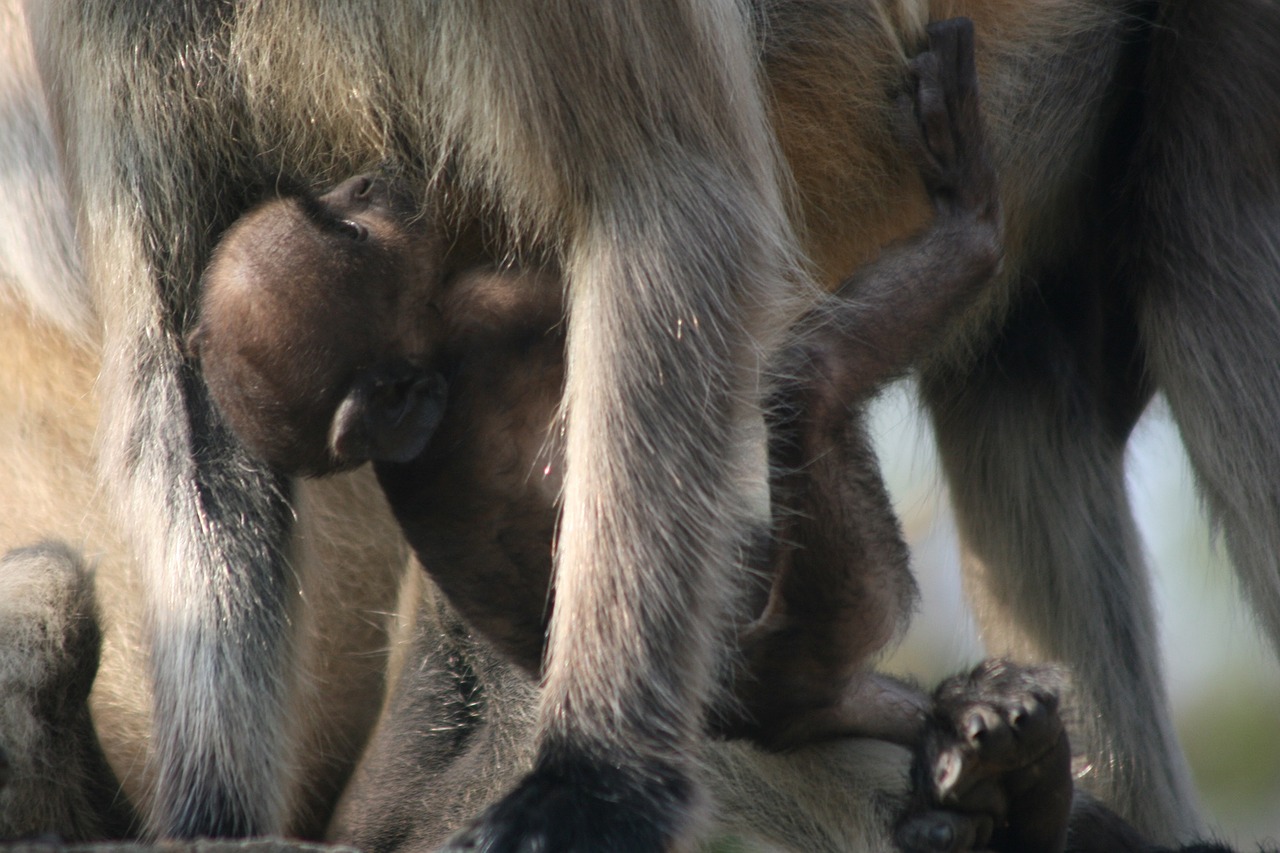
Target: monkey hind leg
x=841, y=588
x=58, y=780
x=1208, y=266
x=1033, y=446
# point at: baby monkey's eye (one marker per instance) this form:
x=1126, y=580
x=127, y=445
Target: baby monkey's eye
x=353, y=229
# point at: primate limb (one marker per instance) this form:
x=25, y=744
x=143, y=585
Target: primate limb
x=841, y=588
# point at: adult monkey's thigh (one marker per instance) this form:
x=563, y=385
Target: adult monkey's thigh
x=677, y=251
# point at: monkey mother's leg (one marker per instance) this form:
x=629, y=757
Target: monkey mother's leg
x=1207, y=212
x=208, y=524
x=1032, y=439
x=58, y=780
x=677, y=251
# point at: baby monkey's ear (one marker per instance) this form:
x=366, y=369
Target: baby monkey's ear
x=388, y=415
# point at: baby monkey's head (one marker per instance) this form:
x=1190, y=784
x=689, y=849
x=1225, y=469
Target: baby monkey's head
x=317, y=334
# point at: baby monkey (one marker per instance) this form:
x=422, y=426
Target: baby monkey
x=331, y=333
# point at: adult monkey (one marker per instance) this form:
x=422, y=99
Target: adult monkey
x=1072, y=347
x=662, y=197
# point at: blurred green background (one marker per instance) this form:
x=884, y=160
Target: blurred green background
x=1223, y=681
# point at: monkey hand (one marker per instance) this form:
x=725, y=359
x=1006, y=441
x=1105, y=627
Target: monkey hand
x=389, y=415
x=943, y=125
x=577, y=806
x=993, y=769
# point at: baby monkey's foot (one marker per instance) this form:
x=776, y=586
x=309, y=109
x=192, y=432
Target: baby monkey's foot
x=993, y=768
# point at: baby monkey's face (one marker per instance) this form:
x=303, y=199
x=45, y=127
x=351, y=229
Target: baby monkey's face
x=318, y=334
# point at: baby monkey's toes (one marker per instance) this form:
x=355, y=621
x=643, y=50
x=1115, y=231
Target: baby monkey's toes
x=993, y=769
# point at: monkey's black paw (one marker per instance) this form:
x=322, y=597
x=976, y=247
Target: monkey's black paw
x=993, y=769
x=583, y=808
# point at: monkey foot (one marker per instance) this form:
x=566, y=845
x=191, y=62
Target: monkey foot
x=582, y=808
x=948, y=142
x=993, y=768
